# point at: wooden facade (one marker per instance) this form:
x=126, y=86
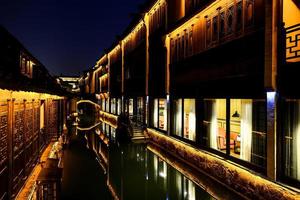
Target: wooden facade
x=30, y=114
x=179, y=56
x=22, y=140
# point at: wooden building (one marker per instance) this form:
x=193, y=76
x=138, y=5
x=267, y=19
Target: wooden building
x=216, y=76
x=32, y=113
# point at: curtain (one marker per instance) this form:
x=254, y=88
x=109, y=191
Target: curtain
x=246, y=130
x=192, y=120
x=192, y=126
x=178, y=117
x=214, y=125
x=165, y=115
x=119, y=107
x=189, y=119
x=113, y=105
x=155, y=113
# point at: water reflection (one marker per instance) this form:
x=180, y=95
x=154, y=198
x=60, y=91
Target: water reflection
x=135, y=172
x=88, y=116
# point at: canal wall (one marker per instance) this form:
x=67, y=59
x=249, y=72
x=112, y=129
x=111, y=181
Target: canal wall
x=240, y=180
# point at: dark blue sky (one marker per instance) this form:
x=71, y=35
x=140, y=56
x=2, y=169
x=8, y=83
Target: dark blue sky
x=67, y=36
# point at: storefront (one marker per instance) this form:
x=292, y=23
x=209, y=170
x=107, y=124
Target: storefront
x=231, y=128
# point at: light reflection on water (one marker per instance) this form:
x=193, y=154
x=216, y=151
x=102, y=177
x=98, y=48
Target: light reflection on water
x=140, y=174
x=135, y=172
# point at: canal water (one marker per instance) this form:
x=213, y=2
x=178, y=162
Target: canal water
x=83, y=178
x=97, y=166
x=135, y=172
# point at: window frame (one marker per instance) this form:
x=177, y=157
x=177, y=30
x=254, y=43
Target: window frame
x=152, y=115
x=199, y=142
x=281, y=144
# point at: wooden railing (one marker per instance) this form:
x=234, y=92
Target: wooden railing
x=293, y=43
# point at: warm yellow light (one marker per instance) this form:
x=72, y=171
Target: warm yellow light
x=116, y=48
x=112, y=190
x=23, y=95
x=98, y=68
x=110, y=119
x=101, y=60
x=291, y=13
x=134, y=31
x=104, y=76
x=42, y=116
x=195, y=19
x=156, y=6
x=212, y=164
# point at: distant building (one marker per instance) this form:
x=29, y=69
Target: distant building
x=69, y=83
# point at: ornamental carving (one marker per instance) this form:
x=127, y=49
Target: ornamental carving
x=3, y=133
x=29, y=121
x=18, y=130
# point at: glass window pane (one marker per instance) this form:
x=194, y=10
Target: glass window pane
x=248, y=130
x=146, y=110
x=177, y=118
x=119, y=106
x=291, y=128
x=130, y=106
x=113, y=105
x=190, y=119
x=107, y=105
x=163, y=114
x=214, y=123
x=155, y=113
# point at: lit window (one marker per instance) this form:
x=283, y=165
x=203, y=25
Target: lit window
x=160, y=114
x=248, y=130
x=214, y=123
x=155, y=113
x=119, y=106
x=184, y=118
x=130, y=107
x=177, y=124
x=189, y=119
x=113, y=105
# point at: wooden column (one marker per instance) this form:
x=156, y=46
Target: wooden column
x=271, y=62
x=10, y=104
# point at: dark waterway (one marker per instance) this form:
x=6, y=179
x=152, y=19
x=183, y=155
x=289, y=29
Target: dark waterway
x=128, y=171
x=135, y=172
x=83, y=177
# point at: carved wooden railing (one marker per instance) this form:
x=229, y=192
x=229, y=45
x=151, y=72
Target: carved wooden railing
x=293, y=43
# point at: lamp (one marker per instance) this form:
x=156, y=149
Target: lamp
x=236, y=114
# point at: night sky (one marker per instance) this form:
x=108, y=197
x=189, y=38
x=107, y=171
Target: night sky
x=67, y=36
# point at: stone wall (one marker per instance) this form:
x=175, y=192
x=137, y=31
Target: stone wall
x=240, y=180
